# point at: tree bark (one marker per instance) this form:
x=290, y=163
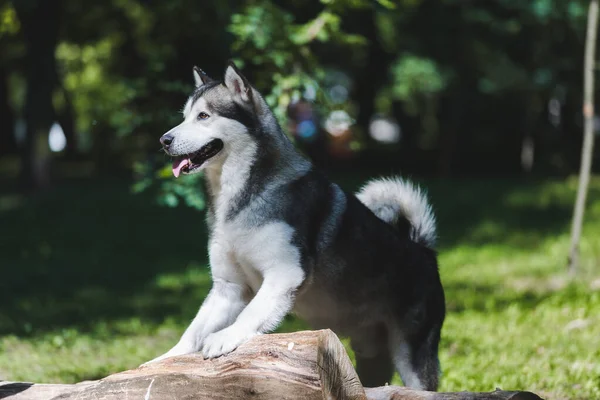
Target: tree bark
x=39, y=21
x=402, y=393
x=588, y=135
x=8, y=143
x=66, y=119
x=302, y=365
x=375, y=71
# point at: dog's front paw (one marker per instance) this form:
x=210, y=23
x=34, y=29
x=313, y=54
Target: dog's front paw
x=224, y=342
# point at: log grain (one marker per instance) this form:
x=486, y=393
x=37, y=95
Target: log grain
x=302, y=365
x=403, y=393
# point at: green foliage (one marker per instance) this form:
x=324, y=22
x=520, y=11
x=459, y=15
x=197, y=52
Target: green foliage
x=261, y=26
x=344, y=5
x=542, y=8
x=169, y=191
x=417, y=82
x=188, y=191
x=576, y=10
x=9, y=24
x=265, y=35
x=97, y=95
x=415, y=76
x=124, y=80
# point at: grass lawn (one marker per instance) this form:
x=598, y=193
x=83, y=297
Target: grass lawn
x=95, y=280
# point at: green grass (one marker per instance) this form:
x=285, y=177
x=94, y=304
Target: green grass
x=95, y=280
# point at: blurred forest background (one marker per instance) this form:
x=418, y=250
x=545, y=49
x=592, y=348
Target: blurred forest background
x=481, y=101
x=429, y=87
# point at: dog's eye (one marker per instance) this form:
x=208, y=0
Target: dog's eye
x=203, y=115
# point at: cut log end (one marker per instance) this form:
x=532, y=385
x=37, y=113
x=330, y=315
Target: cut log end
x=338, y=377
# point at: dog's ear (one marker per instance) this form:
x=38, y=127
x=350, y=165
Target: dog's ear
x=237, y=84
x=200, y=77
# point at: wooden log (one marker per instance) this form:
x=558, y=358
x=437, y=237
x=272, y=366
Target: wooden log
x=403, y=393
x=301, y=365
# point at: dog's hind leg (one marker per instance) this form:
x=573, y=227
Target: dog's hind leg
x=373, y=363
x=376, y=370
x=416, y=358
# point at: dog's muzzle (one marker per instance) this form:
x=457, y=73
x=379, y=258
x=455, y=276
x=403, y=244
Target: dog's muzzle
x=189, y=162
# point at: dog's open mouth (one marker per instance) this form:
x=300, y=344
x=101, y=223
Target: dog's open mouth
x=188, y=163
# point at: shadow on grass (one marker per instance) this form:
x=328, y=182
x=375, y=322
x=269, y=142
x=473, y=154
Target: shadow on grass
x=90, y=251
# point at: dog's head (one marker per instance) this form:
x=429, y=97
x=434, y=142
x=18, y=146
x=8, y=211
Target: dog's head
x=216, y=118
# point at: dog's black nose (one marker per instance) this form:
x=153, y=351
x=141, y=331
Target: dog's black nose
x=166, y=140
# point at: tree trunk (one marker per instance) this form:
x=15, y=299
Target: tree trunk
x=402, y=393
x=375, y=72
x=8, y=144
x=39, y=21
x=588, y=135
x=66, y=119
x=301, y=365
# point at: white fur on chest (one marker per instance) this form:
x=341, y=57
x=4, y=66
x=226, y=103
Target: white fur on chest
x=256, y=251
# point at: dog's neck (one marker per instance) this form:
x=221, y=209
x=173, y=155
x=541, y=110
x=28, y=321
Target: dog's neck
x=268, y=153
x=227, y=179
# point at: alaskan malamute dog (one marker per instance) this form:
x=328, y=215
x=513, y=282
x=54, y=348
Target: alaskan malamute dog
x=283, y=238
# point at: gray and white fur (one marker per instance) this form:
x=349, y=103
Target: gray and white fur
x=284, y=238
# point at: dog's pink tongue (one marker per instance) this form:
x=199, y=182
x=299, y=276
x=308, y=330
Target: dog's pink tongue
x=178, y=165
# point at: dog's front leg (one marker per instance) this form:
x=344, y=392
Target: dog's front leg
x=264, y=313
x=222, y=305
x=225, y=301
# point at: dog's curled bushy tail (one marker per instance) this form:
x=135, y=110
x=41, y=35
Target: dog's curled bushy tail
x=397, y=202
